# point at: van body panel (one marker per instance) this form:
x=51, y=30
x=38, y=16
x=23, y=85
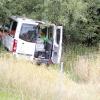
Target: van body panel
x=57, y=44
x=26, y=48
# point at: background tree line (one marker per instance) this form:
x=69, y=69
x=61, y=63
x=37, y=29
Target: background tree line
x=80, y=18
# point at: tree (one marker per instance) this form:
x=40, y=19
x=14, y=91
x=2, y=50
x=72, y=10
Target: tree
x=80, y=18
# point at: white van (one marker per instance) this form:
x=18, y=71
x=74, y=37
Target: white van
x=36, y=39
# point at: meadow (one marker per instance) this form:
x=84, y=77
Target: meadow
x=24, y=80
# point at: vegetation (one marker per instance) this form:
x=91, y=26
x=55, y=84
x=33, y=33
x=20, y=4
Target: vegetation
x=4, y=95
x=22, y=80
x=80, y=18
x=84, y=56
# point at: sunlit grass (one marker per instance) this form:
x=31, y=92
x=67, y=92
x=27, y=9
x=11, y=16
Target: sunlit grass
x=24, y=80
x=28, y=78
x=32, y=82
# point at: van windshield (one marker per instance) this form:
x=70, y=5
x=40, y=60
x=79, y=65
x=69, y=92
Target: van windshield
x=29, y=32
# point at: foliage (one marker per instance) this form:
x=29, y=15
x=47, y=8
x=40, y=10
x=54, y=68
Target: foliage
x=80, y=18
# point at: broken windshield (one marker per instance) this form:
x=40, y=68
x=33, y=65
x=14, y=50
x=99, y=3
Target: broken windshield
x=29, y=32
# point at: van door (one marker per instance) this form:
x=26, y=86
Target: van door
x=27, y=40
x=57, y=44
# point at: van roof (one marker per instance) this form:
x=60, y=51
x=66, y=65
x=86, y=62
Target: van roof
x=27, y=20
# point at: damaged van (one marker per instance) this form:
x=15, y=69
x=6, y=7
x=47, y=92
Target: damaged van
x=36, y=39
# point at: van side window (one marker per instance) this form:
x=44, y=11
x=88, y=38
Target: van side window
x=58, y=36
x=13, y=28
x=47, y=33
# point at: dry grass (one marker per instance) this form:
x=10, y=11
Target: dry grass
x=34, y=82
x=88, y=68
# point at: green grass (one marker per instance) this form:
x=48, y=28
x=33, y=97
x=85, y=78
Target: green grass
x=8, y=96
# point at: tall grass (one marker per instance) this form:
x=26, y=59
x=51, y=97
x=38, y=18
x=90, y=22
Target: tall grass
x=79, y=61
x=27, y=81
x=32, y=82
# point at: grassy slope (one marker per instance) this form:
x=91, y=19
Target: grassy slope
x=32, y=82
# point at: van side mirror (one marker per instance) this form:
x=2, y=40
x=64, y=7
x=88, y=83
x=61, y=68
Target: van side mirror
x=5, y=27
